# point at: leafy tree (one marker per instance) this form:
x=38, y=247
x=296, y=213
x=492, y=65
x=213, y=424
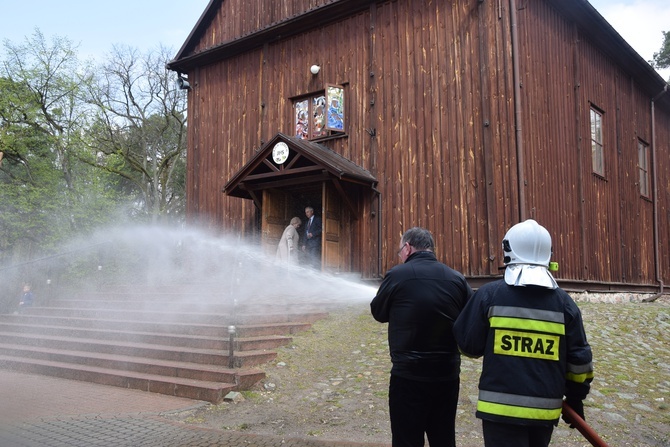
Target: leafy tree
x=662, y=58
x=42, y=119
x=140, y=131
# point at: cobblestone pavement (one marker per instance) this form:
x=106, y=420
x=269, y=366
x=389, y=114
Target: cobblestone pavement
x=137, y=431
x=40, y=411
x=628, y=405
x=332, y=382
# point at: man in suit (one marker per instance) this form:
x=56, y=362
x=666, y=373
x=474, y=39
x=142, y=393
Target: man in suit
x=311, y=242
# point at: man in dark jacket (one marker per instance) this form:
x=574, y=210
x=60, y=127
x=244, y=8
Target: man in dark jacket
x=311, y=241
x=532, y=338
x=421, y=299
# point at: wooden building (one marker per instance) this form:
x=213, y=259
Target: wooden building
x=462, y=116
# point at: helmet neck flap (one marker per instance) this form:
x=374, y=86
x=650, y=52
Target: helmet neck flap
x=527, y=250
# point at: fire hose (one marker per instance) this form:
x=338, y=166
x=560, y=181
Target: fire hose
x=580, y=424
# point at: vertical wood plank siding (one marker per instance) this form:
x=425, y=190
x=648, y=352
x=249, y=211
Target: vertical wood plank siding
x=237, y=18
x=430, y=130
x=548, y=129
x=226, y=106
x=431, y=113
x=616, y=228
x=663, y=167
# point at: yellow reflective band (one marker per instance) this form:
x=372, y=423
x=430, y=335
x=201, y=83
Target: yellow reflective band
x=528, y=325
x=518, y=412
x=579, y=378
x=525, y=344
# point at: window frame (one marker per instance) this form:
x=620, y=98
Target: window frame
x=597, y=141
x=644, y=168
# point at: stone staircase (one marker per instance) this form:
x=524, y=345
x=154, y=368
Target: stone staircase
x=168, y=341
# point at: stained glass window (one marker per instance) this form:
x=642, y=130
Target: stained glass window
x=335, y=100
x=302, y=119
x=320, y=114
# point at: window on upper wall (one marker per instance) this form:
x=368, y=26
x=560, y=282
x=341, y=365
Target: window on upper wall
x=320, y=114
x=597, y=155
x=643, y=165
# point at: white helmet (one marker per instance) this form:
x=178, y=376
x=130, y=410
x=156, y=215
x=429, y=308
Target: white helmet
x=527, y=250
x=527, y=243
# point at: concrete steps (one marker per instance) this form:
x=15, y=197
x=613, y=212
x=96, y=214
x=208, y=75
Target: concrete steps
x=160, y=343
x=271, y=341
x=199, y=318
x=145, y=350
x=173, y=327
x=174, y=386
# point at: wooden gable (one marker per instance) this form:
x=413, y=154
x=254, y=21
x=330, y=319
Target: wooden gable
x=306, y=162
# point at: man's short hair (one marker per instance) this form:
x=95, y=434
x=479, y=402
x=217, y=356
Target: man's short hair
x=419, y=238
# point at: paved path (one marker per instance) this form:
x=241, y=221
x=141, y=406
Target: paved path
x=40, y=411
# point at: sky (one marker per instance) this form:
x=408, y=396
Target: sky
x=639, y=22
x=145, y=24
x=98, y=25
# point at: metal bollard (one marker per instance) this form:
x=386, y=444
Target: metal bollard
x=231, y=346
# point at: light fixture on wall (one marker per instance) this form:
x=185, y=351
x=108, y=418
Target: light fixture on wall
x=315, y=69
x=182, y=83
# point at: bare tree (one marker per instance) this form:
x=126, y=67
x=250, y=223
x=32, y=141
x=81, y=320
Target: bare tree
x=140, y=130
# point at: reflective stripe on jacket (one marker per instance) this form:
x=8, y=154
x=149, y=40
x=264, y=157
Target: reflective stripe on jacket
x=523, y=407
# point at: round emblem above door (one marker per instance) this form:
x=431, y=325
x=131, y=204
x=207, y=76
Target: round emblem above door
x=280, y=152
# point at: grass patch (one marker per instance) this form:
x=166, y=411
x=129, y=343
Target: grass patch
x=250, y=394
x=194, y=420
x=607, y=391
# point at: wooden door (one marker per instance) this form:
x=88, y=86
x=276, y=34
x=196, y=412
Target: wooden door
x=275, y=218
x=332, y=249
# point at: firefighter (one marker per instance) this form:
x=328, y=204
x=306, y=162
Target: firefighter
x=531, y=336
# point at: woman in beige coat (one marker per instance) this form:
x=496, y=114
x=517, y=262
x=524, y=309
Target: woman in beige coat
x=287, y=250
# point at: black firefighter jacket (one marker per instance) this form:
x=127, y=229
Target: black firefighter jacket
x=535, y=352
